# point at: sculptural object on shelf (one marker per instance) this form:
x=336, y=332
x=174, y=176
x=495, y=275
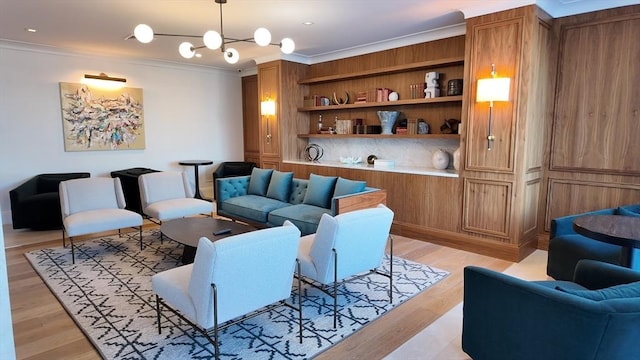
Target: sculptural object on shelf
x=387, y=120
x=432, y=87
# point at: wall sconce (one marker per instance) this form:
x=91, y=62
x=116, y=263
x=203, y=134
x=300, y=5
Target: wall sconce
x=103, y=80
x=490, y=90
x=268, y=109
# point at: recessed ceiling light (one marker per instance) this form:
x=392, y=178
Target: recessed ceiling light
x=31, y=30
x=307, y=23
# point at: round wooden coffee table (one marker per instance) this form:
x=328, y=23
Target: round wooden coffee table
x=619, y=230
x=188, y=231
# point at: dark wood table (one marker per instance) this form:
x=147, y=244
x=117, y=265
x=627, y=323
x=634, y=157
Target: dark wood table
x=619, y=230
x=188, y=231
x=196, y=164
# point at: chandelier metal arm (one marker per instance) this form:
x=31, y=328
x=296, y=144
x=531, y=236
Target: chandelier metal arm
x=213, y=40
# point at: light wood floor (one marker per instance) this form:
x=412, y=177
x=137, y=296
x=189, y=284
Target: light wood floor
x=43, y=330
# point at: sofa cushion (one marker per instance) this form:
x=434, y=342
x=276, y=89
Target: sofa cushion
x=629, y=210
x=631, y=290
x=305, y=217
x=251, y=207
x=320, y=190
x=346, y=187
x=259, y=181
x=280, y=185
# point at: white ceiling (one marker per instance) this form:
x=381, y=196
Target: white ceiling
x=341, y=27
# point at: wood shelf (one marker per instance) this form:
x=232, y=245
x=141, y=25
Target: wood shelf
x=385, y=70
x=379, y=136
x=421, y=101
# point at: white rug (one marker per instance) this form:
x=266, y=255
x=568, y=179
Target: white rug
x=108, y=294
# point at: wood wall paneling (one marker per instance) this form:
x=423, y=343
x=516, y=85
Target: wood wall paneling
x=251, y=118
x=598, y=97
x=487, y=207
x=569, y=196
x=498, y=43
x=269, y=88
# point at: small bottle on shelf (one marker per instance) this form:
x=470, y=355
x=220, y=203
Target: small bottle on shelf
x=320, y=124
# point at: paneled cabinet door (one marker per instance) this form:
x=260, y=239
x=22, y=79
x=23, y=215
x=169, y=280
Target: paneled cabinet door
x=269, y=88
x=488, y=47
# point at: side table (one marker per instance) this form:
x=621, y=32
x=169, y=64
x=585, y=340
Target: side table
x=195, y=164
x=619, y=230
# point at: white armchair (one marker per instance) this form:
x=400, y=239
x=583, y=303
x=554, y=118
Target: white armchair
x=168, y=195
x=92, y=205
x=231, y=278
x=345, y=247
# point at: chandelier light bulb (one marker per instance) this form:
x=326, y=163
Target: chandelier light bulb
x=262, y=36
x=186, y=50
x=287, y=46
x=212, y=40
x=231, y=55
x=143, y=33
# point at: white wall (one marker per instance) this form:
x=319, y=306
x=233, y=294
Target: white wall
x=189, y=113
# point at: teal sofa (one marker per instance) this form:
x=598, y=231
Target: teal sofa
x=595, y=316
x=566, y=247
x=267, y=198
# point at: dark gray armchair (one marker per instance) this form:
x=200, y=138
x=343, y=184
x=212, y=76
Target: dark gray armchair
x=35, y=204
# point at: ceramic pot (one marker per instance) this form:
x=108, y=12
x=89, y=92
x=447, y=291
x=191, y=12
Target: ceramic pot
x=387, y=120
x=440, y=159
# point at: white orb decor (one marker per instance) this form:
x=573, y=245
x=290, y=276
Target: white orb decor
x=143, y=33
x=186, y=50
x=231, y=55
x=212, y=40
x=440, y=159
x=287, y=46
x=262, y=36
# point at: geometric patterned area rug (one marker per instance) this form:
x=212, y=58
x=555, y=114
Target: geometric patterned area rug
x=108, y=294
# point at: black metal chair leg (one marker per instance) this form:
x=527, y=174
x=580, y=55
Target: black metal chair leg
x=141, y=237
x=390, y=269
x=73, y=254
x=335, y=288
x=299, y=301
x=158, y=313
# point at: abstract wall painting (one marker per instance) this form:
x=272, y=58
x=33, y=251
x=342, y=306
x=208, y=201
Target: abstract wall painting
x=94, y=118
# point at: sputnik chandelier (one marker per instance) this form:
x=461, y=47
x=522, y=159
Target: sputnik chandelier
x=214, y=40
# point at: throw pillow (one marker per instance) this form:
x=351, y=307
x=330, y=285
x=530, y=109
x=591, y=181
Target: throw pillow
x=346, y=187
x=280, y=185
x=259, y=181
x=623, y=291
x=629, y=210
x=320, y=190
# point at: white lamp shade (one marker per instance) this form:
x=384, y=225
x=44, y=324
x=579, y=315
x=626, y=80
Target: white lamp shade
x=262, y=36
x=212, y=40
x=231, y=55
x=287, y=46
x=143, y=33
x=186, y=50
x=493, y=89
x=268, y=108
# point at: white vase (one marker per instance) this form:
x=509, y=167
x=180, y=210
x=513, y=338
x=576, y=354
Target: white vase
x=456, y=159
x=387, y=119
x=440, y=159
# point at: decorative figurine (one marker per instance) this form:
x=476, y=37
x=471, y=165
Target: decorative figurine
x=432, y=88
